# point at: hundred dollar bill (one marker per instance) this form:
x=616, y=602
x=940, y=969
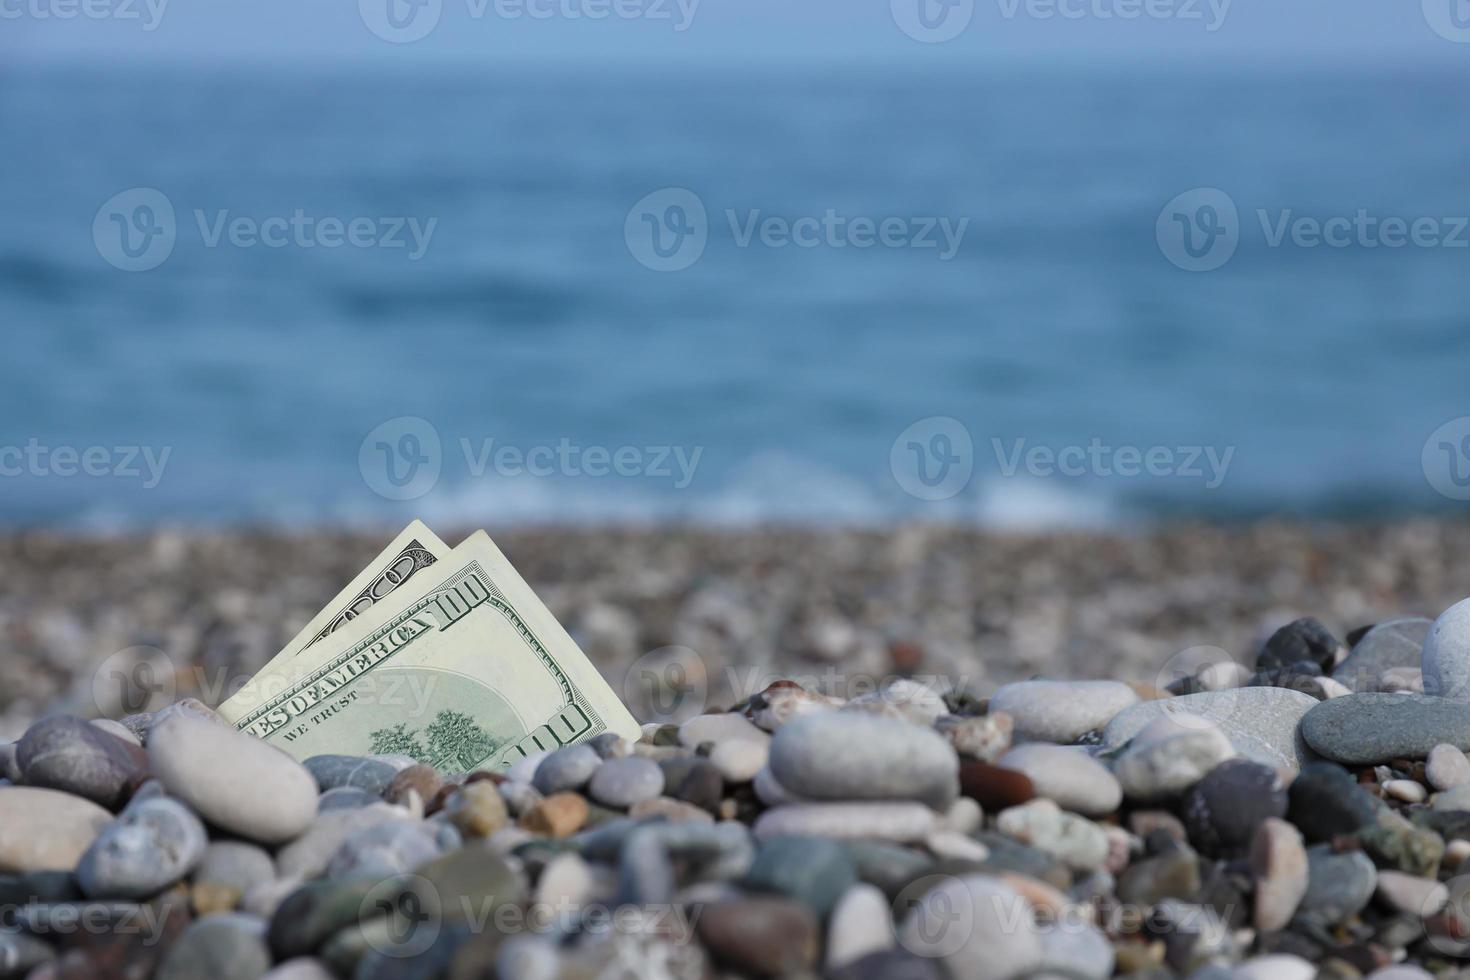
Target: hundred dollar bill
x=466, y=670
x=413, y=551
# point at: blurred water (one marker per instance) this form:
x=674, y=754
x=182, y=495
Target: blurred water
x=527, y=319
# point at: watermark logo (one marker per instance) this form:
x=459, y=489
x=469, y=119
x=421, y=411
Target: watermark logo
x=1446, y=459
x=1208, y=464
x=401, y=916
x=1199, y=230
x=400, y=21
x=133, y=681
x=1210, y=13
x=667, y=230
x=667, y=686
x=401, y=459
x=148, y=12
x=1450, y=19
x=145, y=464
x=932, y=21
x=937, y=913
x=934, y=458
x=135, y=230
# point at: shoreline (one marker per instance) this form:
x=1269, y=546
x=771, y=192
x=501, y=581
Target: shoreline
x=844, y=607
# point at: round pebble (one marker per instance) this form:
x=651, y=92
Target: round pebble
x=861, y=924
x=1279, y=863
x=1169, y=756
x=568, y=768
x=1223, y=809
x=853, y=756
x=151, y=845
x=237, y=864
x=979, y=928
x=1061, y=711
x=1339, y=884
x=1447, y=767
x=738, y=761
x=1445, y=659
x=1068, y=776
x=46, y=829
x=356, y=771
x=621, y=783
x=1261, y=722
x=1394, y=644
x=1364, y=729
x=235, y=781
x=68, y=754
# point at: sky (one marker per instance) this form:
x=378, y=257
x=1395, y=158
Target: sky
x=1351, y=34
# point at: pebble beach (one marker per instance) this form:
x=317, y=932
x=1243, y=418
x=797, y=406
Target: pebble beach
x=924, y=752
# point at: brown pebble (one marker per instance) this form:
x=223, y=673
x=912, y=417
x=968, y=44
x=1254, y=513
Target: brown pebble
x=208, y=897
x=477, y=810
x=559, y=815
x=421, y=779
x=765, y=936
x=995, y=788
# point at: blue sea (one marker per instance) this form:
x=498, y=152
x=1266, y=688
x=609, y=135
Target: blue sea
x=729, y=296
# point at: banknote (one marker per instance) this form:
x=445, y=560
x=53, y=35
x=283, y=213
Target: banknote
x=414, y=550
x=463, y=668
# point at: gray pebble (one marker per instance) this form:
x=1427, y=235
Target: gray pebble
x=1261, y=722
x=68, y=754
x=1363, y=729
x=815, y=871
x=1397, y=643
x=838, y=755
x=388, y=848
x=228, y=946
x=568, y=768
x=1339, y=885
x=345, y=798
x=1067, y=775
x=623, y=782
x=1447, y=767
x=149, y=846
x=1446, y=656
x=235, y=864
x=1061, y=711
x=360, y=772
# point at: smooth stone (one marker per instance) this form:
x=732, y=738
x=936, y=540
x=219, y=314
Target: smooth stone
x=416, y=780
x=738, y=761
x=345, y=798
x=815, y=871
x=478, y=809
x=904, y=699
x=1339, y=885
x=620, y=783
x=947, y=845
x=1405, y=791
x=718, y=728
x=238, y=864
x=994, y=787
x=977, y=927
x=230, y=946
x=1327, y=802
x=568, y=768
x=567, y=881
x=1389, y=645
x=888, y=964
x=1302, y=640
x=308, y=855
x=389, y=848
x=357, y=771
x=901, y=823
x=1452, y=800
x=694, y=780
x=1447, y=767
x=235, y=781
x=68, y=754
x=963, y=817
x=1076, y=950
x=982, y=737
x=1075, y=841
x=1410, y=893
x=1398, y=680
x=558, y=815
x=1068, y=776
x=861, y=924
x=766, y=936
x=1223, y=810
x=151, y=845
x=301, y=968
x=46, y=829
x=1261, y=722
x=1279, y=863
x=1445, y=659
x=1061, y=711
x=854, y=756
x=1171, y=874
x=1275, y=966
x=1364, y=729
x=1169, y=756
